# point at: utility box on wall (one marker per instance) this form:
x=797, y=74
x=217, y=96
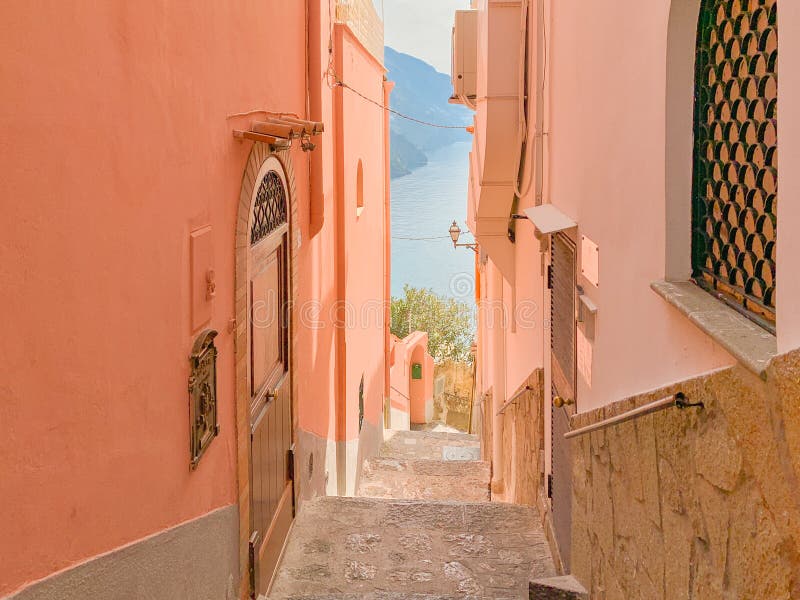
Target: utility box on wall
x=416, y=371
x=464, y=66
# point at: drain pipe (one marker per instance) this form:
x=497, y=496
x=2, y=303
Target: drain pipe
x=340, y=352
x=540, y=85
x=314, y=69
x=499, y=376
x=387, y=255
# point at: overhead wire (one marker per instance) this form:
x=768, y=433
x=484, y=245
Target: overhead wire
x=397, y=112
x=422, y=239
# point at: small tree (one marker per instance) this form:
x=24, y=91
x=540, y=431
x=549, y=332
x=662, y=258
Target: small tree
x=448, y=322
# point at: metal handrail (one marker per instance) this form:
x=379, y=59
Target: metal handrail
x=401, y=393
x=678, y=400
x=514, y=398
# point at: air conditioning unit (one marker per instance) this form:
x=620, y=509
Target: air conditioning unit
x=464, y=66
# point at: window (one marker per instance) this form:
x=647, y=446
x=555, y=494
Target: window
x=359, y=189
x=269, y=210
x=734, y=185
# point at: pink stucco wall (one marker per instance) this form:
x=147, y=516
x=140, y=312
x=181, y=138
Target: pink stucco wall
x=361, y=132
x=604, y=167
x=605, y=142
x=116, y=145
x=399, y=398
x=789, y=177
x=617, y=196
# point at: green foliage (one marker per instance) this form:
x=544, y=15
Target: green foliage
x=448, y=322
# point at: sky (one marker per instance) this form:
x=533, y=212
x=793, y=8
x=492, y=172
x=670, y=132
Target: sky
x=421, y=28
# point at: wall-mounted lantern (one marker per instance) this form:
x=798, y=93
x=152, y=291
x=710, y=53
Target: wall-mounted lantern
x=455, y=233
x=203, y=425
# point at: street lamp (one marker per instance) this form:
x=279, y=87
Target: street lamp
x=455, y=233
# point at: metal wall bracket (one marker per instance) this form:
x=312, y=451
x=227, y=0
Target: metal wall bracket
x=682, y=402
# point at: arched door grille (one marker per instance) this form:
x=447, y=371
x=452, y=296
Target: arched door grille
x=734, y=199
x=269, y=211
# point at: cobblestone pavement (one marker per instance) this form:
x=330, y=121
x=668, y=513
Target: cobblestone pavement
x=424, y=529
x=393, y=549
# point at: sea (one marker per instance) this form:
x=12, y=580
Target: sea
x=424, y=205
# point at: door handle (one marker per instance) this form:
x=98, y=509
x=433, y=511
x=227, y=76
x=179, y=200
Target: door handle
x=558, y=401
x=270, y=395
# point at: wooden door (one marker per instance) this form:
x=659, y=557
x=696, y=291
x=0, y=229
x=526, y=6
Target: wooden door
x=271, y=486
x=563, y=367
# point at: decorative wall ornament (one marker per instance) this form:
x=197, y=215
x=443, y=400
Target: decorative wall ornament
x=203, y=426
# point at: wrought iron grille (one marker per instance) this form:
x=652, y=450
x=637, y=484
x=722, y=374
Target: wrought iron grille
x=734, y=198
x=269, y=211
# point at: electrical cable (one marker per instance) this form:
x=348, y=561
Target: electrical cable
x=421, y=239
x=396, y=112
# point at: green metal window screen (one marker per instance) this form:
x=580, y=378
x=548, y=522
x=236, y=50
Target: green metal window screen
x=734, y=187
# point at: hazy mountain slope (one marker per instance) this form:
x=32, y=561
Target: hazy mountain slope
x=420, y=92
x=405, y=156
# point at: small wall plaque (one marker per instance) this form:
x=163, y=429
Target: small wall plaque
x=590, y=261
x=203, y=425
x=416, y=371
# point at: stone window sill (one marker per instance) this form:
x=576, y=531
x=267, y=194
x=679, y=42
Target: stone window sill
x=751, y=345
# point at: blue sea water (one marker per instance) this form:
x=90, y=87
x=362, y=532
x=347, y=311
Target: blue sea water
x=424, y=204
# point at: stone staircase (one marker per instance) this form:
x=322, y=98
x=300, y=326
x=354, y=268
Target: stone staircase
x=417, y=465
x=422, y=528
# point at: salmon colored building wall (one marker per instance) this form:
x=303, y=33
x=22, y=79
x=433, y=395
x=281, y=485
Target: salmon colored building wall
x=117, y=143
x=362, y=253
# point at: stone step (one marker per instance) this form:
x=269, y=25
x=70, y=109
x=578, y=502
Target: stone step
x=370, y=548
x=466, y=481
x=565, y=587
x=430, y=445
x=434, y=435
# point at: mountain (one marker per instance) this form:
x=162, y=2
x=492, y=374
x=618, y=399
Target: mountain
x=406, y=157
x=421, y=92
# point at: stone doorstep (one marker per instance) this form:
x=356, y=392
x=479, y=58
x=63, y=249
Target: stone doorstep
x=565, y=587
x=390, y=596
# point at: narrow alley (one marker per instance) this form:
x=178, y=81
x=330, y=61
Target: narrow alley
x=400, y=300
x=422, y=527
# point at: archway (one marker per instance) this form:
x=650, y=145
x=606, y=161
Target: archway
x=264, y=293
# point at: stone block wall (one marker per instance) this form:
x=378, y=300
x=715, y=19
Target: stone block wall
x=452, y=404
x=362, y=19
x=694, y=503
x=523, y=442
